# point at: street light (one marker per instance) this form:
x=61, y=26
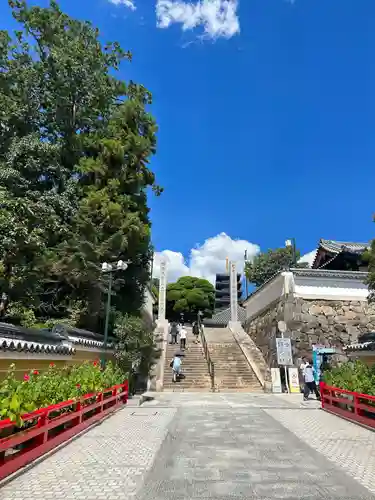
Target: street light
x=292, y=244
x=108, y=268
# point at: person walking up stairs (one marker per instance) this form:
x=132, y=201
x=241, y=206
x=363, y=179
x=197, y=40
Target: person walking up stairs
x=194, y=365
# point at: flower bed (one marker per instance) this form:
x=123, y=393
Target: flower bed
x=26, y=435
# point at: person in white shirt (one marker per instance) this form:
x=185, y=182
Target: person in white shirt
x=183, y=338
x=309, y=379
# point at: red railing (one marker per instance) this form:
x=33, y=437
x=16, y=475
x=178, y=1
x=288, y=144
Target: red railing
x=48, y=427
x=353, y=406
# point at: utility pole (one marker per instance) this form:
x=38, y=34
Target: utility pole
x=246, y=283
x=292, y=243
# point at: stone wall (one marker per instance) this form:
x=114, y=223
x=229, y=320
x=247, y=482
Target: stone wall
x=326, y=322
x=330, y=322
x=262, y=329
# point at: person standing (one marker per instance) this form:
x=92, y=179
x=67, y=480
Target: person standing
x=174, y=332
x=183, y=338
x=310, y=384
x=302, y=367
x=196, y=332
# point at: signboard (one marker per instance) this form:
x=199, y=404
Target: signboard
x=284, y=351
x=233, y=293
x=294, y=380
x=276, y=380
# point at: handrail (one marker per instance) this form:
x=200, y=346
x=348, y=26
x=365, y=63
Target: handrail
x=210, y=364
x=354, y=406
x=19, y=447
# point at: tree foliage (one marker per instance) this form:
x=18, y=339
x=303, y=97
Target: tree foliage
x=75, y=144
x=188, y=296
x=267, y=264
x=136, y=348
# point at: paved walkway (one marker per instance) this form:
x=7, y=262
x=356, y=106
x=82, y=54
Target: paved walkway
x=210, y=446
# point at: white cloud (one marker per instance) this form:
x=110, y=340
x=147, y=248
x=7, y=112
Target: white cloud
x=219, y=18
x=128, y=3
x=176, y=264
x=206, y=260
x=308, y=257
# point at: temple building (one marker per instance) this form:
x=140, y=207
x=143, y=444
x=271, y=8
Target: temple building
x=222, y=291
x=341, y=256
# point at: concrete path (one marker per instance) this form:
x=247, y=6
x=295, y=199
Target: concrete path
x=210, y=446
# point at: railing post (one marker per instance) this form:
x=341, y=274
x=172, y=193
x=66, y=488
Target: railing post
x=126, y=391
x=355, y=404
x=42, y=422
x=322, y=384
x=101, y=399
x=78, y=410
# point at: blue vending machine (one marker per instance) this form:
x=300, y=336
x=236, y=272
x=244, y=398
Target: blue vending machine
x=319, y=352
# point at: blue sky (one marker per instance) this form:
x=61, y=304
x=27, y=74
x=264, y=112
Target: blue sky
x=267, y=118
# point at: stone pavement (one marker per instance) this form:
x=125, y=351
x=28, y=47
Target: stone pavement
x=210, y=446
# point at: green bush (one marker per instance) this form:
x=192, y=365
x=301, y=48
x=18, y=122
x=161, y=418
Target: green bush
x=55, y=385
x=352, y=376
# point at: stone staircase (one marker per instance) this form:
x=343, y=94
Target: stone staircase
x=232, y=370
x=194, y=367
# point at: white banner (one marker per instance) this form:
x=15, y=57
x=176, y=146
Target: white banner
x=276, y=380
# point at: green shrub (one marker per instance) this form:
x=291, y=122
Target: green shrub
x=352, y=376
x=55, y=385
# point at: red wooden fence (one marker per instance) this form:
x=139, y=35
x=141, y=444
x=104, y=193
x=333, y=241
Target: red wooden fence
x=48, y=427
x=353, y=406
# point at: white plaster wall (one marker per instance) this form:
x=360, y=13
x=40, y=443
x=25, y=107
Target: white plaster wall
x=271, y=291
x=330, y=288
x=306, y=287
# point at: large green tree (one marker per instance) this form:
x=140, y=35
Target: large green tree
x=75, y=143
x=188, y=296
x=267, y=264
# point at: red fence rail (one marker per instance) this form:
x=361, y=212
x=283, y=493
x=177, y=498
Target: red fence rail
x=359, y=408
x=46, y=428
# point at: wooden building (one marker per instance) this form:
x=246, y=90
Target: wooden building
x=341, y=256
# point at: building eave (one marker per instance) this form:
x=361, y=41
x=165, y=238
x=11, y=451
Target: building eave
x=328, y=273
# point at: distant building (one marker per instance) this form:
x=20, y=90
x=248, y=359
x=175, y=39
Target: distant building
x=222, y=291
x=341, y=256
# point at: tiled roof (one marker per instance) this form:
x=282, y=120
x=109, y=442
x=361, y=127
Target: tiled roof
x=360, y=346
x=330, y=273
x=90, y=343
x=224, y=317
x=57, y=341
x=7, y=344
x=339, y=246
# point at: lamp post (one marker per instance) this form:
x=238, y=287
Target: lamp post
x=109, y=269
x=292, y=244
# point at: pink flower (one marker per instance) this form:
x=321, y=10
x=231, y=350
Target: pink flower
x=26, y=377
x=35, y=372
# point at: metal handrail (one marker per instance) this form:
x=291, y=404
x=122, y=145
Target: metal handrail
x=210, y=364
